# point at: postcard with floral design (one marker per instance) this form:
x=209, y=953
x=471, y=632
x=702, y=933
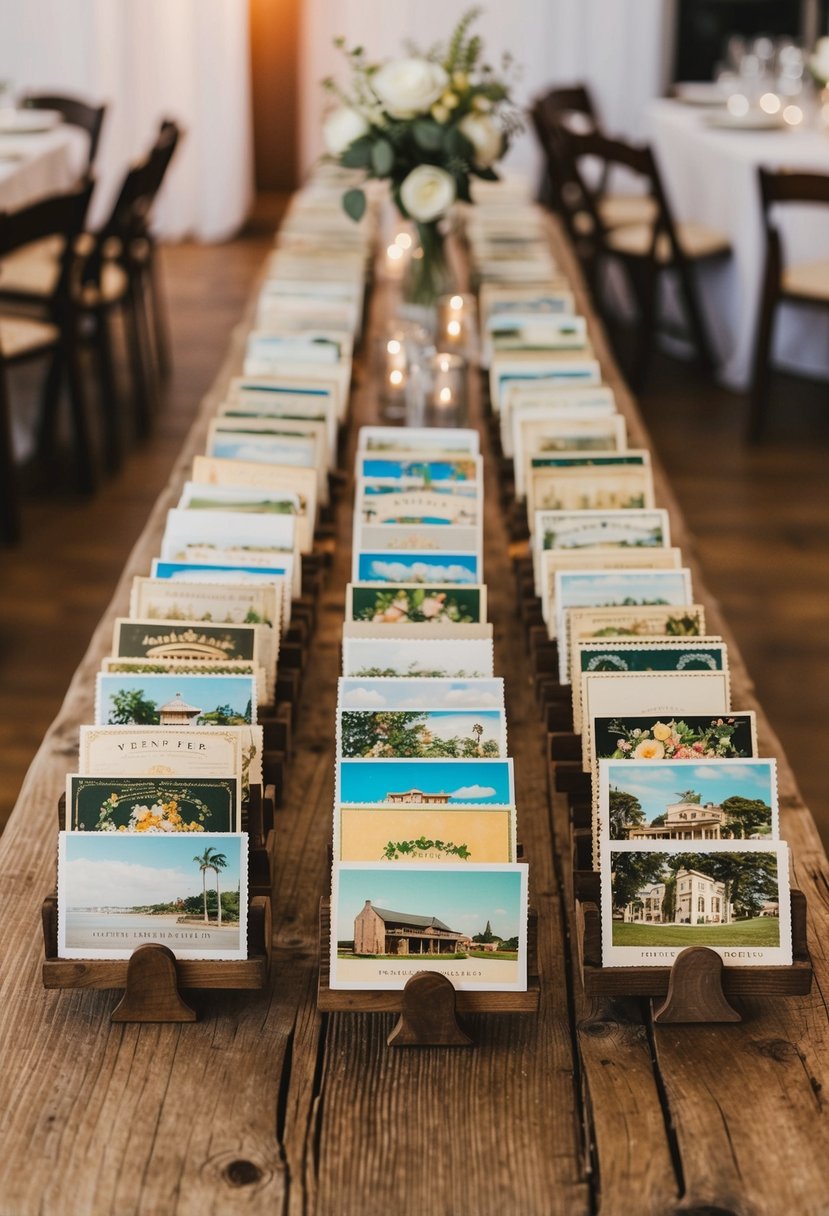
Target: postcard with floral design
x=415, y=604
x=645, y=621
x=157, y=804
x=424, y=834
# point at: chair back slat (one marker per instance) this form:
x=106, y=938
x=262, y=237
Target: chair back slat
x=60, y=215
x=785, y=186
x=76, y=112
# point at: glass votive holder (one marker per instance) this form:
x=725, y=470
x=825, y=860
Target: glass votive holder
x=456, y=328
x=392, y=372
x=437, y=391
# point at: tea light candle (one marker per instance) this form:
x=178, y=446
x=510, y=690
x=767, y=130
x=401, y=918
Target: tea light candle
x=398, y=255
x=394, y=367
x=455, y=321
x=446, y=400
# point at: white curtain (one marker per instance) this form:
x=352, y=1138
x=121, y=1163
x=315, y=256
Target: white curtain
x=619, y=47
x=149, y=59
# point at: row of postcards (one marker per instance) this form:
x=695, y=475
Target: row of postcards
x=685, y=810
x=424, y=873
x=153, y=848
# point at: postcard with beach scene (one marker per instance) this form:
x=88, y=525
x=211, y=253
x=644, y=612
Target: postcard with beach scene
x=273, y=478
x=277, y=429
x=391, y=541
x=616, y=588
x=468, y=921
x=428, y=568
x=434, y=783
x=658, y=693
x=159, y=804
x=424, y=834
x=429, y=657
x=699, y=800
x=170, y=751
x=420, y=693
x=425, y=472
x=657, y=654
x=378, y=503
x=414, y=604
x=593, y=624
x=658, y=897
x=121, y=890
x=174, y=700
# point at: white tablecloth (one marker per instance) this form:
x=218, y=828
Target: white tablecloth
x=33, y=166
x=711, y=176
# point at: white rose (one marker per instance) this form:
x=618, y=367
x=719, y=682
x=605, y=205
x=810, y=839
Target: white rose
x=341, y=129
x=427, y=193
x=485, y=137
x=820, y=59
x=409, y=86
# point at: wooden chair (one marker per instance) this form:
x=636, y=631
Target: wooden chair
x=647, y=249
x=572, y=106
x=77, y=113
x=55, y=334
x=802, y=283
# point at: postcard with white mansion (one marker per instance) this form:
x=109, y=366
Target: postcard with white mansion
x=469, y=922
x=659, y=896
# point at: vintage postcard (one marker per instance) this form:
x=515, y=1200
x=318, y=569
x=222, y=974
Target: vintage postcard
x=467, y=921
x=280, y=575
x=613, y=487
x=552, y=369
x=524, y=404
x=689, y=737
x=275, y=478
x=428, y=568
x=637, y=529
x=659, y=693
x=255, y=539
x=699, y=800
x=435, y=783
x=429, y=657
x=424, y=834
x=188, y=641
x=277, y=429
x=564, y=433
x=423, y=693
x=174, y=700
x=657, y=654
x=297, y=417
x=378, y=503
x=421, y=734
x=121, y=890
x=296, y=451
x=422, y=538
x=251, y=500
x=413, y=471
x=172, y=751
x=414, y=604
x=730, y=895
x=554, y=560
x=182, y=667
x=413, y=631
x=593, y=624
x=158, y=804
x=616, y=588
x=418, y=439
x=225, y=603
x=271, y=397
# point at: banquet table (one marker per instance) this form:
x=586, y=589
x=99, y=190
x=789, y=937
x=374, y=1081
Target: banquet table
x=266, y=1104
x=710, y=176
x=35, y=165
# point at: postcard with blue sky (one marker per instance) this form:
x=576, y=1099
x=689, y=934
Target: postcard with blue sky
x=595, y=588
x=420, y=693
x=402, y=567
x=424, y=734
x=468, y=922
x=175, y=700
x=419, y=472
x=426, y=782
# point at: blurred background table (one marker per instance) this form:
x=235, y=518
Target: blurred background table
x=710, y=174
x=37, y=164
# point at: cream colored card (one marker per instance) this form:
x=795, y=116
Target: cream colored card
x=535, y=402
x=211, y=470
x=232, y=603
x=550, y=368
x=615, y=485
x=555, y=561
x=564, y=433
x=644, y=621
x=408, y=631
x=424, y=834
x=172, y=751
x=635, y=529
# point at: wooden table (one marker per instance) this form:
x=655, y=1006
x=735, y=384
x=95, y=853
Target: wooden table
x=265, y=1105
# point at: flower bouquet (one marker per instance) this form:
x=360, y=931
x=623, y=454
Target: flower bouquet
x=427, y=124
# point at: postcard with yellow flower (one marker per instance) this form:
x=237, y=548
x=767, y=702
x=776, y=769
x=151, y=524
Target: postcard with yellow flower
x=152, y=805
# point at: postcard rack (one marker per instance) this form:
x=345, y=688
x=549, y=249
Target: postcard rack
x=429, y=1007
x=152, y=977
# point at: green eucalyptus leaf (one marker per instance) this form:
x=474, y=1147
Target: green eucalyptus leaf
x=428, y=135
x=358, y=154
x=354, y=204
x=382, y=157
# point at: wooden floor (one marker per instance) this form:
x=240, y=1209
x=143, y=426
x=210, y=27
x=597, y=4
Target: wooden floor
x=761, y=519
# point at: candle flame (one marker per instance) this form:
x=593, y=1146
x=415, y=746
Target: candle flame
x=453, y=328
x=456, y=303
x=396, y=377
x=393, y=346
x=445, y=395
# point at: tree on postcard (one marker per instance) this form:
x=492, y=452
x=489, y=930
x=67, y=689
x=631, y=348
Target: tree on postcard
x=632, y=872
x=131, y=707
x=747, y=817
x=625, y=811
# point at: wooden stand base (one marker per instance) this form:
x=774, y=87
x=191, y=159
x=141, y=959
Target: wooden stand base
x=152, y=993
x=429, y=1004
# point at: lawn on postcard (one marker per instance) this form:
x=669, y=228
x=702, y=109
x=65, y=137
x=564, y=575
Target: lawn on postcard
x=761, y=931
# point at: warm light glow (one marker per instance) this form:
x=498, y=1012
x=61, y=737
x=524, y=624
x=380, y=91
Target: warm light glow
x=393, y=346
x=453, y=328
x=456, y=303
x=396, y=377
x=445, y=364
x=793, y=115
x=771, y=103
x=445, y=396
x=738, y=105
x=403, y=240
x=394, y=253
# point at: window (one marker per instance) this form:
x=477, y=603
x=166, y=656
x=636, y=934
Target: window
x=701, y=904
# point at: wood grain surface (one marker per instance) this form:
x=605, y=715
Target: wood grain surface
x=265, y=1105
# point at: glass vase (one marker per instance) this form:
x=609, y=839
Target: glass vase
x=428, y=276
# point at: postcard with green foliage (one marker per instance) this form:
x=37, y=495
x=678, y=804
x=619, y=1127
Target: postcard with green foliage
x=157, y=804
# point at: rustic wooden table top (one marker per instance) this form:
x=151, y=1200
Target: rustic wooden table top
x=266, y=1105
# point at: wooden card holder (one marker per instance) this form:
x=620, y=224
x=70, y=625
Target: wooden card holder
x=697, y=987
x=429, y=1005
